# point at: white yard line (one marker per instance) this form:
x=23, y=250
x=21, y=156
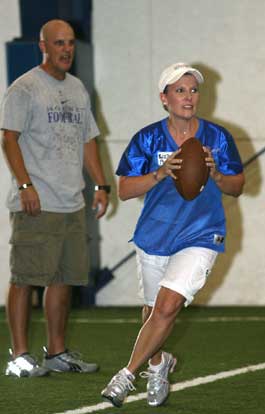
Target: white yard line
x=136, y=320
x=174, y=388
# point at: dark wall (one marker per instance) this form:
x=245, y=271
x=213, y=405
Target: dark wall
x=34, y=13
x=23, y=53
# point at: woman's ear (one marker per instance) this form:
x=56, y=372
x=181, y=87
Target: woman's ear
x=163, y=98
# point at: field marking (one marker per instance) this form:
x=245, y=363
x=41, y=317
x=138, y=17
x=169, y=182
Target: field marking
x=138, y=320
x=174, y=388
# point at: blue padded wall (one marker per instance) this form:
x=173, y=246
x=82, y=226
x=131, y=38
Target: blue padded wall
x=34, y=13
x=21, y=56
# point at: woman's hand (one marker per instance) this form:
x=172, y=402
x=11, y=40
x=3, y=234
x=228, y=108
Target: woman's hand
x=228, y=184
x=170, y=167
x=212, y=165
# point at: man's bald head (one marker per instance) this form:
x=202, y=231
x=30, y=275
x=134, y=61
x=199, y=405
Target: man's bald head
x=53, y=26
x=57, y=43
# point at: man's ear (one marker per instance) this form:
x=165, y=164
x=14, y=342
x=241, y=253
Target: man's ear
x=42, y=46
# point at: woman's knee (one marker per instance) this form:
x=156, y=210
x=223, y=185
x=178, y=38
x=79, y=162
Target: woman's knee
x=168, y=304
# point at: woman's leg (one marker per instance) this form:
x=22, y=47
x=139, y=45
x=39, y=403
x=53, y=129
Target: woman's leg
x=157, y=328
x=146, y=312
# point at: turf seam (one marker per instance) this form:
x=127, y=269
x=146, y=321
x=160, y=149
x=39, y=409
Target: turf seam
x=117, y=321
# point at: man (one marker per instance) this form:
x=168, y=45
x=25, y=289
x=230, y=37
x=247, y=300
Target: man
x=48, y=134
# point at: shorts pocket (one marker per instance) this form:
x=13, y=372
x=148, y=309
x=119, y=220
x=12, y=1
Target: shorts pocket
x=29, y=255
x=201, y=272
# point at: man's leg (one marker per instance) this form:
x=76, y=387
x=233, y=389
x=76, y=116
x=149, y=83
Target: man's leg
x=57, y=357
x=18, y=307
x=56, y=304
x=18, y=312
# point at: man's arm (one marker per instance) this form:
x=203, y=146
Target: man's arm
x=29, y=197
x=94, y=168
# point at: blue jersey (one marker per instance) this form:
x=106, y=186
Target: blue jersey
x=168, y=223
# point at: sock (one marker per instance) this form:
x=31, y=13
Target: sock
x=50, y=356
x=157, y=367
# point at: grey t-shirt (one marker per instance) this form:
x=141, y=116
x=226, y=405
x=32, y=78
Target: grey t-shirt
x=55, y=121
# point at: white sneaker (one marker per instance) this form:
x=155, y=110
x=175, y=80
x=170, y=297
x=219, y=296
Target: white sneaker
x=25, y=366
x=118, y=388
x=158, y=384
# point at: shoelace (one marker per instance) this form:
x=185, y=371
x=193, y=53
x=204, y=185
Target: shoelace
x=123, y=382
x=154, y=377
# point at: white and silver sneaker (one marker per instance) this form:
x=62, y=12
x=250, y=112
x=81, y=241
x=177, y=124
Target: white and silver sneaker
x=157, y=383
x=118, y=388
x=67, y=362
x=25, y=365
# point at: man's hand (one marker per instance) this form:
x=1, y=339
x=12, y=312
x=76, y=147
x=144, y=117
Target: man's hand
x=100, y=203
x=30, y=201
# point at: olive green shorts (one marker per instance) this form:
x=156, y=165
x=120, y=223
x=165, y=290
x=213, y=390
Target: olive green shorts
x=49, y=248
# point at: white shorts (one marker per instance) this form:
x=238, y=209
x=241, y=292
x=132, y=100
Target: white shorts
x=184, y=272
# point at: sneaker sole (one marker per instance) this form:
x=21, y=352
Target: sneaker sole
x=26, y=374
x=71, y=368
x=114, y=402
x=73, y=371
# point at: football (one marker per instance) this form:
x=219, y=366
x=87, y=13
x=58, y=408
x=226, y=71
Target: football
x=194, y=173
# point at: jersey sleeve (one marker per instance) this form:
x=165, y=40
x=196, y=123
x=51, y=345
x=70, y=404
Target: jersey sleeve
x=228, y=159
x=15, y=109
x=134, y=161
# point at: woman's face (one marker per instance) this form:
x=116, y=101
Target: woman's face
x=182, y=97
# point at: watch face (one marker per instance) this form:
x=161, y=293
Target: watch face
x=103, y=187
x=25, y=185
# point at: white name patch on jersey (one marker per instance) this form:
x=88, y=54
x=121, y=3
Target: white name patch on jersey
x=162, y=157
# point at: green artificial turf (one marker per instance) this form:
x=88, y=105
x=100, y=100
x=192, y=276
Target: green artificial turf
x=203, y=342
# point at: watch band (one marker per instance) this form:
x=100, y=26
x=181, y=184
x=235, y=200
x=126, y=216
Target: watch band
x=25, y=185
x=106, y=188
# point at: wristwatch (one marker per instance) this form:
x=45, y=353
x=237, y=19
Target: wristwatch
x=25, y=185
x=106, y=188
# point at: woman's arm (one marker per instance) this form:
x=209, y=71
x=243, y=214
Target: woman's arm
x=228, y=184
x=132, y=187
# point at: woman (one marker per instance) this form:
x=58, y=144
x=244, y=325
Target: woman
x=177, y=241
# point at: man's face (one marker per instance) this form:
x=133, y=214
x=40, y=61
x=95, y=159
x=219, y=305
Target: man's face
x=58, y=49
